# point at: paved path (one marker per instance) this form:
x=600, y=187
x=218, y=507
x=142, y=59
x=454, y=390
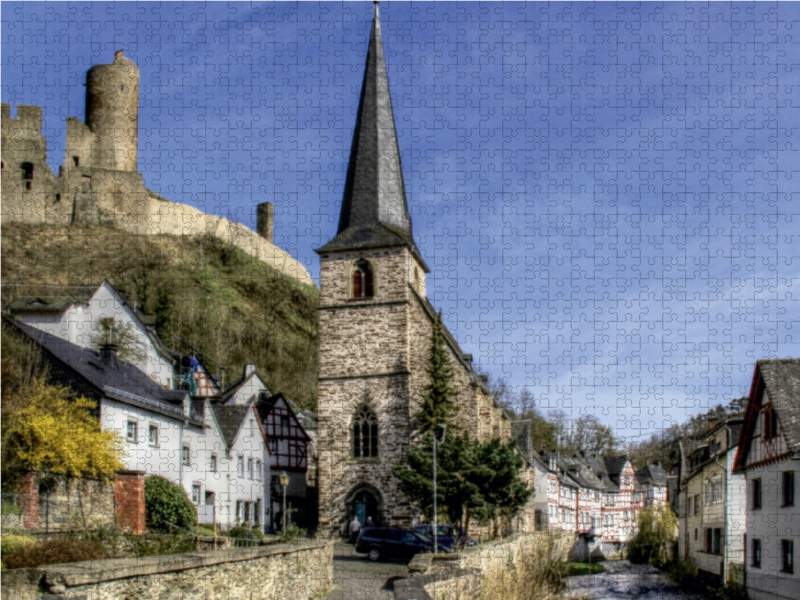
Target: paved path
x=356, y=578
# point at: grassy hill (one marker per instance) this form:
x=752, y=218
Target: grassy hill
x=234, y=309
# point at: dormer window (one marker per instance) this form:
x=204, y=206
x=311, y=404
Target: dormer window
x=363, y=286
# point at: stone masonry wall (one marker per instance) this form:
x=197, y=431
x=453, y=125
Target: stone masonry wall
x=375, y=352
x=52, y=503
x=275, y=572
x=86, y=193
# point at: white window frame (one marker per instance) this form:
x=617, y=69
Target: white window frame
x=197, y=493
x=250, y=469
x=132, y=426
x=212, y=463
x=240, y=466
x=153, y=440
x=186, y=455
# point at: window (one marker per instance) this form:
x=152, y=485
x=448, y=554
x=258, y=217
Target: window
x=787, y=556
x=362, y=280
x=597, y=496
x=709, y=540
x=690, y=506
x=756, y=494
x=365, y=434
x=716, y=492
x=27, y=171
x=133, y=432
x=755, y=558
x=76, y=160
x=186, y=456
x=627, y=480
x=697, y=504
x=212, y=463
x=258, y=470
x=273, y=446
x=152, y=436
x=717, y=541
x=239, y=510
x=770, y=423
x=240, y=466
x=196, y=493
x=695, y=534
x=250, y=468
x=788, y=488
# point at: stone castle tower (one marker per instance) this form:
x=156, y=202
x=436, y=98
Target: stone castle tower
x=375, y=327
x=99, y=182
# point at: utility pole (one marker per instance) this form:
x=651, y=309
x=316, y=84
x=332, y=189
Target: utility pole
x=438, y=430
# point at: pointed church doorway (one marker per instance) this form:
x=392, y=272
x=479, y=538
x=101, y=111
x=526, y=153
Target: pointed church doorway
x=363, y=501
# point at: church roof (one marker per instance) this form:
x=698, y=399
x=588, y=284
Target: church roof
x=374, y=207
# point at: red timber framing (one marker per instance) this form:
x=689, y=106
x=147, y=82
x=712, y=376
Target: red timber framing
x=769, y=435
x=287, y=439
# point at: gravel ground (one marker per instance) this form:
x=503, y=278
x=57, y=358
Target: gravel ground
x=624, y=581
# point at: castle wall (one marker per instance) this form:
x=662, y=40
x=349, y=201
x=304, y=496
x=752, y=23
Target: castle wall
x=88, y=194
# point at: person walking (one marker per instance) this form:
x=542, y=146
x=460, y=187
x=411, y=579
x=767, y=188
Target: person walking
x=369, y=523
x=355, y=527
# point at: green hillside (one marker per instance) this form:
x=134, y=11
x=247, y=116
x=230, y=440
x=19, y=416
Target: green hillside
x=234, y=309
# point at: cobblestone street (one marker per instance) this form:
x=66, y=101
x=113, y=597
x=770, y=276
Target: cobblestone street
x=356, y=578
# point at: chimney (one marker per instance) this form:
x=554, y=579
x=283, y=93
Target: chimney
x=249, y=370
x=712, y=423
x=265, y=220
x=108, y=354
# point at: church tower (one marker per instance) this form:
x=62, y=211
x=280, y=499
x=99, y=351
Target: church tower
x=372, y=290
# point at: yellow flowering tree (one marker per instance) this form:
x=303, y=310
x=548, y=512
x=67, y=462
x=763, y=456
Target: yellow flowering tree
x=54, y=432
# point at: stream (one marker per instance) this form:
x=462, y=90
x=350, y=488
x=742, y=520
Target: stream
x=625, y=581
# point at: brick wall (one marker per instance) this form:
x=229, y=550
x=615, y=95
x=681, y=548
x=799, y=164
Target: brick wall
x=129, y=501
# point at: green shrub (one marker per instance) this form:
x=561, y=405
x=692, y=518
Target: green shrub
x=10, y=508
x=52, y=552
x=293, y=532
x=167, y=506
x=11, y=541
x=245, y=532
x=683, y=573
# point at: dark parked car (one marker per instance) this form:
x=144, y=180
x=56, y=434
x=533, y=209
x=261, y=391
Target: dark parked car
x=393, y=542
x=445, y=534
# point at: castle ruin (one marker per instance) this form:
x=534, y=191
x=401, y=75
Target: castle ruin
x=98, y=182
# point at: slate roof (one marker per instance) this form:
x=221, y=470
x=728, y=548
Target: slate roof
x=230, y=418
x=615, y=464
x=118, y=379
x=374, y=206
x=782, y=381
x=43, y=304
x=653, y=475
x=234, y=387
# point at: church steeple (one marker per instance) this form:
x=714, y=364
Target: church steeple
x=374, y=207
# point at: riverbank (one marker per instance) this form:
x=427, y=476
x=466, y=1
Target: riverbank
x=625, y=581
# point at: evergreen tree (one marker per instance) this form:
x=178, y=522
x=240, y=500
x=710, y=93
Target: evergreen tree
x=437, y=403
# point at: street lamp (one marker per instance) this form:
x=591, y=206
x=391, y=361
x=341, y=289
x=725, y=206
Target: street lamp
x=283, y=478
x=438, y=435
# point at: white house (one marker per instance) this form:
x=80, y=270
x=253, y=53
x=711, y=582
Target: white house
x=217, y=454
x=82, y=318
x=769, y=457
x=711, y=521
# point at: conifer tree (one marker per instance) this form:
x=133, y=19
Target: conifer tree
x=437, y=403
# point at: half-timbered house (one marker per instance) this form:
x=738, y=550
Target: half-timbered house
x=768, y=457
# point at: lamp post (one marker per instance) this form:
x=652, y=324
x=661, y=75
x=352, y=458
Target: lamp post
x=283, y=478
x=438, y=435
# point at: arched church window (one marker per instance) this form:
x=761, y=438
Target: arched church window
x=363, y=286
x=365, y=434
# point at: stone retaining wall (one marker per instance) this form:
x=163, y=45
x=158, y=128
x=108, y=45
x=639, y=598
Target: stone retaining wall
x=481, y=571
x=279, y=571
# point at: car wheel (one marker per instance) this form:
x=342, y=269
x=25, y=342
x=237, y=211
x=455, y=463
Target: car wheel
x=374, y=554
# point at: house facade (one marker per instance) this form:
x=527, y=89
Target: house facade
x=711, y=520
x=374, y=319
x=768, y=458
x=167, y=432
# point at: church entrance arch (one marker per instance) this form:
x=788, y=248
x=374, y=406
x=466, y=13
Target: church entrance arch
x=363, y=501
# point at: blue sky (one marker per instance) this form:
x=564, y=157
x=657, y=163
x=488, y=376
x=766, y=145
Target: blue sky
x=607, y=193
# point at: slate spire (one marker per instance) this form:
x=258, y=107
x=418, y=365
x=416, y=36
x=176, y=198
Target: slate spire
x=374, y=207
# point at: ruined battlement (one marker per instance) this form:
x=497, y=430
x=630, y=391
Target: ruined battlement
x=99, y=181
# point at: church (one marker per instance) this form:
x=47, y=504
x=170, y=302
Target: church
x=375, y=328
